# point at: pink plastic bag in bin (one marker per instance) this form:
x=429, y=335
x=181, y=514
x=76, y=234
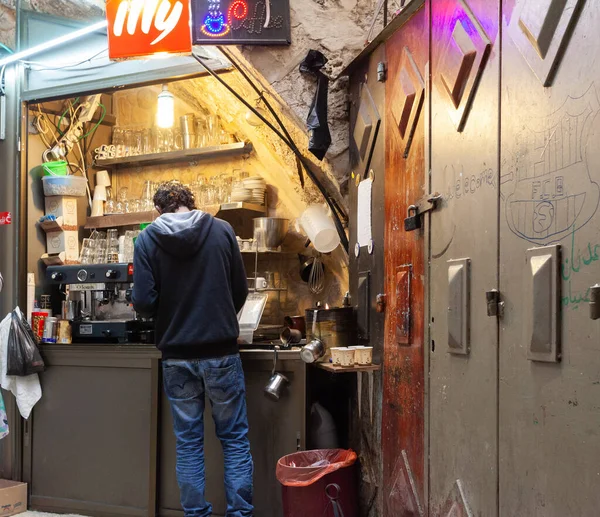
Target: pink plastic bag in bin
x=305, y=468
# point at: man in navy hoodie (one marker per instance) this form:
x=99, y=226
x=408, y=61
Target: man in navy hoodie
x=188, y=274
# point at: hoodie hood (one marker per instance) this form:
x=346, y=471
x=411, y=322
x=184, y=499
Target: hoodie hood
x=181, y=234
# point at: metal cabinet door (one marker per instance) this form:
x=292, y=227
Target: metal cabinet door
x=550, y=177
x=366, y=267
x=405, y=178
x=464, y=253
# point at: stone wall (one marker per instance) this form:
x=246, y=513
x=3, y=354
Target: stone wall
x=335, y=27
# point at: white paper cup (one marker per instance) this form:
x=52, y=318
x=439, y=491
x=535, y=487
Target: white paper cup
x=363, y=355
x=103, y=179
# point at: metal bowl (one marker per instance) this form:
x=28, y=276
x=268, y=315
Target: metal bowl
x=269, y=232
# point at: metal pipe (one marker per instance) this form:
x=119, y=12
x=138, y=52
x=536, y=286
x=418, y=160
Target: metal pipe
x=330, y=202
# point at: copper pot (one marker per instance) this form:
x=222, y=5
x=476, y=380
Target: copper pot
x=296, y=323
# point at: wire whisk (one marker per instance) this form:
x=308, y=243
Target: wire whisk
x=316, y=280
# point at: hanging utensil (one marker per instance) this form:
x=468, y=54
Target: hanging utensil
x=316, y=281
x=277, y=382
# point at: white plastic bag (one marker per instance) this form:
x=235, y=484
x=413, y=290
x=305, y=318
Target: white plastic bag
x=27, y=390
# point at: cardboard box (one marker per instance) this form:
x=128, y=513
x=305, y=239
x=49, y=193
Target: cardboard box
x=65, y=207
x=63, y=242
x=13, y=497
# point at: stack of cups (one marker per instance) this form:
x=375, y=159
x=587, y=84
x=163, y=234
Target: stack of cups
x=102, y=181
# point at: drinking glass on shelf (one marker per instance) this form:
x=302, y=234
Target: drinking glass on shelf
x=177, y=140
x=128, y=142
x=87, y=252
x=201, y=132
x=155, y=140
x=118, y=141
x=225, y=137
x=109, y=205
x=213, y=130
x=146, y=203
x=138, y=142
x=100, y=251
x=147, y=141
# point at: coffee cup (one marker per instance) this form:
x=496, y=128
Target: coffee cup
x=261, y=283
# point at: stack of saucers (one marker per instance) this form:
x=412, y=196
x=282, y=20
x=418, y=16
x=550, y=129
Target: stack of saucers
x=241, y=194
x=257, y=186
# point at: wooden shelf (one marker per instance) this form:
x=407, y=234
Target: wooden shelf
x=230, y=210
x=186, y=155
x=119, y=220
x=53, y=226
x=348, y=369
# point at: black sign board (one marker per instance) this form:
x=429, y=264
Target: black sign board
x=241, y=22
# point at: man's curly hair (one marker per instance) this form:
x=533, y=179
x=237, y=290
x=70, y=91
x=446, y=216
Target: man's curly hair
x=173, y=195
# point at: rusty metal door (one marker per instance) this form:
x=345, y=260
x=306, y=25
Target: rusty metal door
x=405, y=183
x=463, y=363
x=549, y=260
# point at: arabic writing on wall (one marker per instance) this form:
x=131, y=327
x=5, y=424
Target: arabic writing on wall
x=578, y=260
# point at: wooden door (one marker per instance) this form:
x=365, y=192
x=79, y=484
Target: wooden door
x=463, y=470
x=549, y=261
x=405, y=183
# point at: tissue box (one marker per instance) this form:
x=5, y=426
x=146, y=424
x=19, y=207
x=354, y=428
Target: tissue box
x=13, y=497
x=67, y=242
x=65, y=207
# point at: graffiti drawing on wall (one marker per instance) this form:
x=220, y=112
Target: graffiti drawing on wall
x=551, y=192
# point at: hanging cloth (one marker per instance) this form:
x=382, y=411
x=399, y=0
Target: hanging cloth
x=316, y=122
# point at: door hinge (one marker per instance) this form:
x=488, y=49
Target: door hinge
x=381, y=72
x=495, y=306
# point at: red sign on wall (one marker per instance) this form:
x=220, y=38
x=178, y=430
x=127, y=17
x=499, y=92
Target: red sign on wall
x=5, y=218
x=140, y=28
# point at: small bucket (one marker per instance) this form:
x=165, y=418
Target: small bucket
x=58, y=168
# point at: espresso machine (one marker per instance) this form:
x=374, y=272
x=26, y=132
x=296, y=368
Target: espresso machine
x=99, y=305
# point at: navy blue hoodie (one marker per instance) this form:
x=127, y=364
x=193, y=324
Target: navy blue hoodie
x=189, y=275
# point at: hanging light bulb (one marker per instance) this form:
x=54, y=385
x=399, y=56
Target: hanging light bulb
x=165, y=113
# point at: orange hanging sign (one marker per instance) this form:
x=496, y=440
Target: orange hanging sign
x=142, y=28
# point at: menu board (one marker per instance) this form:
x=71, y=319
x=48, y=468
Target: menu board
x=241, y=22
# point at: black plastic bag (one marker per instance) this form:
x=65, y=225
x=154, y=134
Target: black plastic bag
x=24, y=357
x=316, y=122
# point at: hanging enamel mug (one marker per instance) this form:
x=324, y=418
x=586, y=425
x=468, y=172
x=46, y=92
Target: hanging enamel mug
x=277, y=382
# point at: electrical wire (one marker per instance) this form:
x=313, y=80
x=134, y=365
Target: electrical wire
x=42, y=66
x=97, y=123
x=9, y=50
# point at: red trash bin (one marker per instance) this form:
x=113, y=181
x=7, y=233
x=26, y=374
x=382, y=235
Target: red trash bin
x=319, y=483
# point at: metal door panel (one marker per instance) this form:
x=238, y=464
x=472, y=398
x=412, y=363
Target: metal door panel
x=464, y=169
x=549, y=412
x=403, y=424
x=367, y=269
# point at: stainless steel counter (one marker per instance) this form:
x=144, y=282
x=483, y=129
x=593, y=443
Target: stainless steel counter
x=100, y=442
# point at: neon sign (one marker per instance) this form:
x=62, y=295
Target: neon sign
x=241, y=22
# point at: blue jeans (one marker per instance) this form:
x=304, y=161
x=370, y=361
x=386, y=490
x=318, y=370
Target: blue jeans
x=186, y=382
